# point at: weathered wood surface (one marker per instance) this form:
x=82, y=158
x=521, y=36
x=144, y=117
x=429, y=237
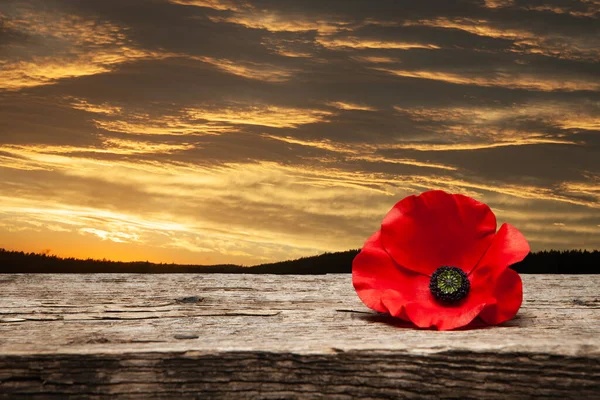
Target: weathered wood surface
x=265, y=336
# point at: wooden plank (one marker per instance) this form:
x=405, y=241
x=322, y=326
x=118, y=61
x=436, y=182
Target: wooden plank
x=266, y=336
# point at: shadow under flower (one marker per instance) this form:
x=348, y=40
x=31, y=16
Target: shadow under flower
x=387, y=319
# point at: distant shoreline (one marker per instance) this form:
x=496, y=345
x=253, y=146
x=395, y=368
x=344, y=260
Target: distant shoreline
x=543, y=262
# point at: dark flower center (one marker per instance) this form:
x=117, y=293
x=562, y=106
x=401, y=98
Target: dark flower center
x=449, y=284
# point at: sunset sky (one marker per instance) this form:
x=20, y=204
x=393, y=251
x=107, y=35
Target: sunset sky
x=226, y=131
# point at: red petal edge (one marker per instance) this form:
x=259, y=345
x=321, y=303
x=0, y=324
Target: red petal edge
x=380, y=283
x=509, y=296
x=425, y=232
x=508, y=247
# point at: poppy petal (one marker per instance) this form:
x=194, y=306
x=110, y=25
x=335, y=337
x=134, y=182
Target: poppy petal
x=508, y=247
x=443, y=318
x=509, y=296
x=379, y=282
x=495, y=298
x=427, y=312
x=435, y=229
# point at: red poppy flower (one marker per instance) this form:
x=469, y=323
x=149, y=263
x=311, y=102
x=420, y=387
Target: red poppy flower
x=439, y=262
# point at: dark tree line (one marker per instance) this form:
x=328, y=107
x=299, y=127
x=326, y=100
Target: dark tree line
x=560, y=262
x=543, y=262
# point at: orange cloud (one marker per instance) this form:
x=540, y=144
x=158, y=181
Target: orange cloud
x=165, y=125
x=592, y=7
x=359, y=152
x=84, y=105
x=265, y=115
x=498, y=3
x=589, y=189
x=581, y=116
x=115, y=236
x=257, y=19
x=512, y=80
x=37, y=157
x=221, y=5
x=476, y=146
x=405, y=161
x=349, y=106
x=518, y=191
x=375, y=60
x=319, y=144
x=259, y=71
x=80, y=47
x=552, y=45
x=296, y=48
x=359, y=43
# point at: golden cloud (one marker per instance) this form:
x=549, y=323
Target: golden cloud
x=477, y=146
x=592, y=7
x=294, y=48
x=405, y=161
x=375, y=59
x=221, y=5
x=80, y=47
x=164, y=125
x=580, y=116
x=518, y=191
x=84, y=105
x=359, y=152
x=590, y=12
x=264, y=115
x=268, y=20
x=350, y=106
x=115, y=236
x=508, y=80
x=589, y=189
x=498, y=3
x=324, y=144
x=251, y=70
x=13, y=161
x=359, y=43
x=552, y=45
x=37, y=157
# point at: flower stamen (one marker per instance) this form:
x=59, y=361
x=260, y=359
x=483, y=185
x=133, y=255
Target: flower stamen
x=449, y=284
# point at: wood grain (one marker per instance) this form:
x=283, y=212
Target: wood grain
x=266, y=336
